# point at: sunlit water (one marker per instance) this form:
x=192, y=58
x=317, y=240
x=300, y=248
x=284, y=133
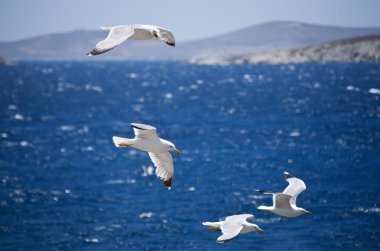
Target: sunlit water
x=64, y=186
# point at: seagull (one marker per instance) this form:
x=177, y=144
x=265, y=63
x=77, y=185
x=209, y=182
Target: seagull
x=119, y=34
x=232, y=226
x=146, y=139
x=284, y=204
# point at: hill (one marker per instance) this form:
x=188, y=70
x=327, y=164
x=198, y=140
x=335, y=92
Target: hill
x=360, y=49
x=264, y=37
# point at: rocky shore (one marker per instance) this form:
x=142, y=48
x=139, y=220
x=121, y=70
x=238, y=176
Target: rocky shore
x=360, y=49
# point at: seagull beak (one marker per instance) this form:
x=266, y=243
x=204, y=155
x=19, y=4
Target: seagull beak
x=260, y=231
x=177, y=151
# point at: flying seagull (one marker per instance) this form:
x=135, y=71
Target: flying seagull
x=232, y=226
x=146, y=139
x=119, y=34
x=284, y=204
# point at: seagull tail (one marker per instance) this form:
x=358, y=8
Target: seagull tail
x=122, y=142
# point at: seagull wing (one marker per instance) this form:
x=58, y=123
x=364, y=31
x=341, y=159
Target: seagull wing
x=295, y=187
x=164, y=167
x=232, y=226
x=166, y=36
x=282, y=201
x=116, y=36
x=144, y=131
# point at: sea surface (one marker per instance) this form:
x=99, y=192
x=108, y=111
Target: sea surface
x=65, y=186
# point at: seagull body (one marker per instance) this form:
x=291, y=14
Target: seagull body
x=118, y=34
x=146, y=139
x=284, y=204
x=232, y=226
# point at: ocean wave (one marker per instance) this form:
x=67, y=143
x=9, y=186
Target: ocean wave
x=367, y=210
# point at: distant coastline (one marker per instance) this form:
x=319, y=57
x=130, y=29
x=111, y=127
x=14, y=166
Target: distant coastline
x=3, y=61
x=359, y=49
x=256, y=39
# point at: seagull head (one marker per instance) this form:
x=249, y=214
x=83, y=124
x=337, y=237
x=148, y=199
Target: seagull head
x=172, y=147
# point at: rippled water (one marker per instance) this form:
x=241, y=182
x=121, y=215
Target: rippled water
x=64, y=186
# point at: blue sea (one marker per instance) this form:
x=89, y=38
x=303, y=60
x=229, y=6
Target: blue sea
x=65, y=186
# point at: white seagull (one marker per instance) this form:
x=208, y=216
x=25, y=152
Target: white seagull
x=146, y=139
x=284, y=204
x=232, y=226
x=119, y=34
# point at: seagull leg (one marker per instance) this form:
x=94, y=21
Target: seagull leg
x=124, y=145
x=212, y=228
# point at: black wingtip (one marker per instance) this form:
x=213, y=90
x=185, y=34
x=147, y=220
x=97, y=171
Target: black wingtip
x=288, y=175
x=93, y=52
x=171, y=44
x=96, y=51
x=259, y=191
x=168, y=183
x=134, y=126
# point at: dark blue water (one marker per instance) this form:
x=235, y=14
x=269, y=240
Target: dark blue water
x=64, y=186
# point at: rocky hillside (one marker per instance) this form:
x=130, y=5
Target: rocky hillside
x=259, y=38
x=360, y=49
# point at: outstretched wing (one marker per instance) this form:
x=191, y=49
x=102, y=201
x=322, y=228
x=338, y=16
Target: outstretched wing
x=295, y=187
x=166, y=36
x=164, y=167
x=144, y=131
x=232, y=226
x=116, y=36
x=282, y=201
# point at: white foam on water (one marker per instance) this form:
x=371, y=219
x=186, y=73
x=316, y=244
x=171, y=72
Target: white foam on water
x=147, y=171
x=168, y=95
x=137, y=107
x=121, y=181
x=62, y=86
x=367, y=210
x=191, y=189
x=145, y=215
x=88, y=149
x=294, y=133
x=352, y=88
x=47, y=70
x=374, y=91
x=24, y=143
x=94, y=88
x=84, y=130
x=270, y=220
x=247, y=78
x=115, y=182
x=18, y=117
x=92, y=240
x=100, y=228
x=67, y=128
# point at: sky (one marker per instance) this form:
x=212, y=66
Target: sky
x=187, y=19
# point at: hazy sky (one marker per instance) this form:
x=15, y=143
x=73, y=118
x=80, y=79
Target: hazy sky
x=191, y=19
